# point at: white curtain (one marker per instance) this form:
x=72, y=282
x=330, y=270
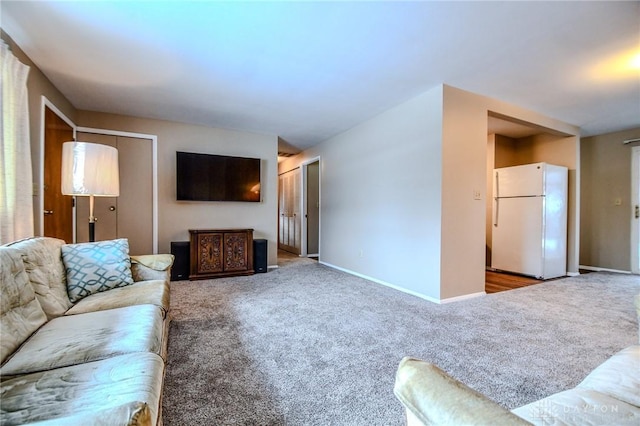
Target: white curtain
x=16, y=179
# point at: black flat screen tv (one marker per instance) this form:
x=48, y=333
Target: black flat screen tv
x=207, y=177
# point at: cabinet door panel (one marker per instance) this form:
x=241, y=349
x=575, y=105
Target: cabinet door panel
x=210, y=253
x=235, y=251
x=220, y=253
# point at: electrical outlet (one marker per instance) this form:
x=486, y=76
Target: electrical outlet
x=477, y=195
x=617, y=202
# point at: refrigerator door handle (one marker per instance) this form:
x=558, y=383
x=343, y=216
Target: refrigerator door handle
x=496, y=199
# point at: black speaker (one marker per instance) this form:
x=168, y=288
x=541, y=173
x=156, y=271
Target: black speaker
x=180, y=268
x=259, y=256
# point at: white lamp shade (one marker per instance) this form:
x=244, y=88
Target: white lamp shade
x=90, y=169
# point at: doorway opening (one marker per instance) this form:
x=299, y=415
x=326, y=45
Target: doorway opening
x=635, y=214
x=311, y=208
x=514, y=142
x=289, y=207
x=299, y=209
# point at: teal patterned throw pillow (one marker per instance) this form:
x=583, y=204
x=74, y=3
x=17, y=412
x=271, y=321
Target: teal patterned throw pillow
x=95, y=267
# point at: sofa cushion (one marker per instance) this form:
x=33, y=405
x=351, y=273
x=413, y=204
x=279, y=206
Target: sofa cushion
x=20, y=311
x=135, y=413
x=43, y=261
x=96, y=267
x=77, y=339
x=154, y=292
x=110, y=391
x=618, y=377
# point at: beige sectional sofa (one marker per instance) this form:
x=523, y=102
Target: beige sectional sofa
x=99, y=359
x=609, y=395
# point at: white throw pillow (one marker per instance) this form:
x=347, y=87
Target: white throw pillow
x=95, y=267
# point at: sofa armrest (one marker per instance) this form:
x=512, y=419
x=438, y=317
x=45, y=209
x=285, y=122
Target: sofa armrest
x=151, y=267
x=431, y=397
x=637, y=303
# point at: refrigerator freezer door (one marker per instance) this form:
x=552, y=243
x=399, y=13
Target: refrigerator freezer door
x=519, y=181
x=517, y=244
x=555, y=235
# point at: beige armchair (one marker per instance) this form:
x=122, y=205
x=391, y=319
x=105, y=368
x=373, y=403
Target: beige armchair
x=431, y=397
x=609, y=395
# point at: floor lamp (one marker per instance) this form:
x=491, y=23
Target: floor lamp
x=90, y=170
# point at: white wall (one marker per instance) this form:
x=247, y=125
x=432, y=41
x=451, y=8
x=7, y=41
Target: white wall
x=176, y=218
x=464, y=169
x=464, y=147
x=605, y=236
x=380, y=196
x=399, y=189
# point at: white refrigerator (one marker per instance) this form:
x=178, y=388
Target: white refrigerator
x=529, y=232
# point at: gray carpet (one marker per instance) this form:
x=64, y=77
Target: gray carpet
x=308, y=345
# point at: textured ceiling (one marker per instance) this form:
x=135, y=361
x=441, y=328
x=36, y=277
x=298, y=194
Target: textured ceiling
x=308, y=70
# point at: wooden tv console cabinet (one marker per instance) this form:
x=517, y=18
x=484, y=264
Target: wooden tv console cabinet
x=220, y=253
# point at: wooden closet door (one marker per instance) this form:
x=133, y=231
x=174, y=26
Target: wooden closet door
x=58, y=208
x=105, y=208
x=135, y=203
x=129, y=215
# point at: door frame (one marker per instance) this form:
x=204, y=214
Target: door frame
x=154, y=172
x=154, y=158
x=635, y=202
x=303, y=200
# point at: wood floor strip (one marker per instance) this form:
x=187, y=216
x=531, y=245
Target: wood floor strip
x=501, y=281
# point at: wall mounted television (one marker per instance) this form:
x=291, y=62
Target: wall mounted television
x=207, y=177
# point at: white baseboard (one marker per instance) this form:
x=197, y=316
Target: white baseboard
x=402, y=289
x=272, y=267
x=598, y=269
x=463, y=297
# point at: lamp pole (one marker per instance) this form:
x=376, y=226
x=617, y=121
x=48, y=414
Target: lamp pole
x=92, y=221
